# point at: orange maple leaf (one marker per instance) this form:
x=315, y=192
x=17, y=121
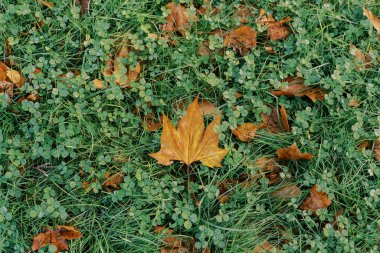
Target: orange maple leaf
x=241, y=39
x=191, y=141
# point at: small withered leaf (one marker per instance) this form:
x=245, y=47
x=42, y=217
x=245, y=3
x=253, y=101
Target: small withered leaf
x=242, y=39
x=292, y=153
x=315, y=200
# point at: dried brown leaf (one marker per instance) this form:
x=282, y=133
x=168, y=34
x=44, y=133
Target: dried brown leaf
x=290, y=190
x=112, y=181
x=276, y=30
x=297, y=88
x=242, y=39
x=316, y=200
x=292, y=153
x=46, y=4
x=243, y=12
x=276, y=121
x=375, y=21
x=365, y=60
x=247, y=131
x=178, y=20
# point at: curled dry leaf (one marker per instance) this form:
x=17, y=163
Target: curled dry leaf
x=112, y=181
x=316, y=200
x=242, y=39
x=290, y=190
x=297, y=88
x=276, y=121
x=205, y=106
x=364, y=59
x=56, y=237
x=375, y=21
x=46, y=4
x=178, y=19
x=191, y=141
x=246, y=131
x=292, y=153
x=276, y=30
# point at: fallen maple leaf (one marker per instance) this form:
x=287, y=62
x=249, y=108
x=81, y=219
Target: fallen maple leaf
x=292, y=153
x=191, y=141
x=297, y=88
x=375, y=21
x=316, y=200
x=178, y=19
x=241, y=39
x=56, y=237
x=246, y=131
x=275, y=29
x=364, y=59
x=276, y=122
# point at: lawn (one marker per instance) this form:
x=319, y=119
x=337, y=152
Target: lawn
x=91, y=93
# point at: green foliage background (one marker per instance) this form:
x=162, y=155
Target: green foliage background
x=75, y=128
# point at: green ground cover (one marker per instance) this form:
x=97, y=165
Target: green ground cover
x=75, y=133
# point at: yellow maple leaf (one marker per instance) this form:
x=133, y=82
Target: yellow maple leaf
x=191, y=141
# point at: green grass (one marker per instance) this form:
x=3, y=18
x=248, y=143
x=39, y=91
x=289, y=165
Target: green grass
x=76, y=133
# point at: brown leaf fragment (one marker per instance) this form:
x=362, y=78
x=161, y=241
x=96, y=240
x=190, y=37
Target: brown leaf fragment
x=276, y=121
x=354, y=102
x=207, y=108
x=375, y=21
x=150, y=122
x=6, y=88
x=247, y=131
x=123, y=73
x=208, y=9
x=242, y=39
x=297, y=88
x=191, y=141
x=292, y=153
x=376, y=150
x=264, y=247
x=276, y=30
x=46, y=4
x=112, y=181
x=269, y=50
x=85, y=6
x=365, y=60
x=269, y=168
x=243, y=12
x=56, y=237
x=290, y=190
x=15, y=77
x=316, y=200
x=99, y=84
x=178, y=19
